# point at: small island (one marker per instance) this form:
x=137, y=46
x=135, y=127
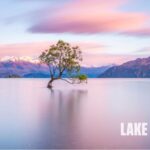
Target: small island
x=13, y=76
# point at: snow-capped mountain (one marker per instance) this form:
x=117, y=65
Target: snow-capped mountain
x=16, y=59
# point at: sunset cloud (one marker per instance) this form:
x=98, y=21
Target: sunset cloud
x=145, y=50
x=106, y=59
x=22, y=49
x=139, y=32
x=89, y=17
x=35, y=48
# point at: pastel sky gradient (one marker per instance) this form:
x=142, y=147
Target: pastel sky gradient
x=108, y=31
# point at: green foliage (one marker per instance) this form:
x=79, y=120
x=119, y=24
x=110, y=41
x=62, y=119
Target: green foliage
x=82, y=77
x=60, y=58
x=79, y=78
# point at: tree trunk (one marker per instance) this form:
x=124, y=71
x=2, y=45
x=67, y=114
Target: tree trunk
x=49, y=85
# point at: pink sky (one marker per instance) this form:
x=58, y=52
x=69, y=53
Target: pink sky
x=90, y=16
x=107, y=31
x=90, y=58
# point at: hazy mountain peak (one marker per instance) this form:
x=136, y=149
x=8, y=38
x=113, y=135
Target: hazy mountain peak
x=18, y=59
x=138, y=68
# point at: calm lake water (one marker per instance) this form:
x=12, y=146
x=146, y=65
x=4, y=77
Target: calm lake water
x=72, y=116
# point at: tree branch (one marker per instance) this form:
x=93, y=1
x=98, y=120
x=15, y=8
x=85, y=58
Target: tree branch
x=70, y=81
x=66, y=80
x=51, y=74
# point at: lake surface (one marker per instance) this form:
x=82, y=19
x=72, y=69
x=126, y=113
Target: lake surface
x=72, y=116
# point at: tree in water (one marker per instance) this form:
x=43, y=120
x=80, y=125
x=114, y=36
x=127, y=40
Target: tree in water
x=63, y=59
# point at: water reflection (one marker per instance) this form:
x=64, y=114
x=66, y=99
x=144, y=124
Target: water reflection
x=82, y=116
x=60, y=119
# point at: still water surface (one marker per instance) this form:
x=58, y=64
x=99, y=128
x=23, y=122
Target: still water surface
x=72, y=116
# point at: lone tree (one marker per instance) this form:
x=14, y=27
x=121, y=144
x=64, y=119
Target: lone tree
x=63, y=59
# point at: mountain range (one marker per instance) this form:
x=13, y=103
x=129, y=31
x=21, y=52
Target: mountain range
x=139, y=68
x=29, y=68
x=26, y=67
